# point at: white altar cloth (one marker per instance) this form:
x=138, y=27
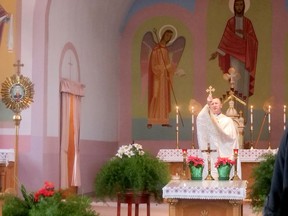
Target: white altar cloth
x=244, y=155
x=7, y=155
x=206, y=189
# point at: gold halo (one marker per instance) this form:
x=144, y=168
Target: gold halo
x=166, y=27
x=231, y=5
x=17, y=93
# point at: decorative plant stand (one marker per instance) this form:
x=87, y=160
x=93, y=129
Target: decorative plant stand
x=133, y=198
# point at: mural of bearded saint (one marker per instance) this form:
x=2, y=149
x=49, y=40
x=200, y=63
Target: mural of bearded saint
x=159, y=60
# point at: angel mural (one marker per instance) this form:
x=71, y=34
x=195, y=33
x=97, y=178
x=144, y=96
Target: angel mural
x=4, y=18
x=159, y=61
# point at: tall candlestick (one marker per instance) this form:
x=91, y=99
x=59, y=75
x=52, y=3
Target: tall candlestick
x=251, y=118
x=269, y=126
x=177, y=127
x=177, y=115
x=192, y=111
x=284, y=117
x=251, y=126
x=269, y=114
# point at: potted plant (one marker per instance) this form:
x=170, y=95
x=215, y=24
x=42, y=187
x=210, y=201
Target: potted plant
x=46, y=201
x=196, y=165
x=131, y=169
x=224, y=165
x=262, y=175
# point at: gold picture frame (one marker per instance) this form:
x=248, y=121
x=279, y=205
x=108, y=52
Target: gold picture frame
x=17, y=93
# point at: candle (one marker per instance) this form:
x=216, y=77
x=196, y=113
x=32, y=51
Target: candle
x=192, y=110
x=269, y=114
x=284, y=117
x=251, y=118
x=177, y=115
x=235, y=151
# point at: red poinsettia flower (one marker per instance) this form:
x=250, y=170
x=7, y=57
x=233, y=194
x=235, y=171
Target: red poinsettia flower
x=46, y=191
x=195, y=161
x=224, y=161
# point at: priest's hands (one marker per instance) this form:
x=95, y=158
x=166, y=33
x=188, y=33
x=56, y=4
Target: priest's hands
x=209, y=99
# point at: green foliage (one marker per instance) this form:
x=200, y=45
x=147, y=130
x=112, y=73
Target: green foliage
x=54, y=206
x=46, y=206
x=137, y=173
x=262, y=175
x=14, y=206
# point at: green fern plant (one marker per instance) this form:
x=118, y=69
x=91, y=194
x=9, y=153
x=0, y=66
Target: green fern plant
x=47, y=203
x=131, y=171
x=262, y=175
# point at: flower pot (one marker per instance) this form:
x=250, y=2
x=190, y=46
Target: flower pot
x=224, y=172
x=196, y=172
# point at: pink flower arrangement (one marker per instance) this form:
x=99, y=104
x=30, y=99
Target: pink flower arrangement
x=224, y=161
x=195, y=161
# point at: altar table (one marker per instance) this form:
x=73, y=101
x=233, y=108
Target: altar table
x=204, y=198
x=249, y=158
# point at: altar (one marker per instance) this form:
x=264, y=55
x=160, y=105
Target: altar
x=249, y=158
x=194, y=198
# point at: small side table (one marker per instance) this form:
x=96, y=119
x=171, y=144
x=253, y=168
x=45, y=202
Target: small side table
x=133, y=198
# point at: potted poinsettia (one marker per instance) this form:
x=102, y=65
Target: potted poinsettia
x=131, y=170
x=46, y=201
x=224, y=165
x=196, y=165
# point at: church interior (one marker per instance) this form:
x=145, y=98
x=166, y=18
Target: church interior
x=85, y=87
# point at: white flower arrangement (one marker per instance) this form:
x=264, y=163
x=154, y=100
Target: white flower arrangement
x=130, y=150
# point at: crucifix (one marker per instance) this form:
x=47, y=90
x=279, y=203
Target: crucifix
x=208, y=151
x=210, y=90
x=18, y=65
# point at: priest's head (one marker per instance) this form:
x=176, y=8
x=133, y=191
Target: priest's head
x=216, y=106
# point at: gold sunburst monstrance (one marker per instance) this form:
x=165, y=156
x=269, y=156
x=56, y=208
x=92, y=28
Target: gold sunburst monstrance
x=17, y=93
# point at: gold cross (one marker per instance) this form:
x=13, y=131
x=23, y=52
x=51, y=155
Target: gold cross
x=208, y=150
x=210, y=90
x=18, y=65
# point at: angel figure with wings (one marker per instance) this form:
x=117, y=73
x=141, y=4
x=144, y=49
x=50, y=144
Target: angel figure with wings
x=159, y=62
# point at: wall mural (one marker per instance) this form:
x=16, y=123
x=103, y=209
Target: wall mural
x=246, y=31
x=159, y=61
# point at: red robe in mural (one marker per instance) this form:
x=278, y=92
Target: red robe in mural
x=242, y=48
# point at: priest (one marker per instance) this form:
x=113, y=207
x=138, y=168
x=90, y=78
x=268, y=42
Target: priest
x=217, y=130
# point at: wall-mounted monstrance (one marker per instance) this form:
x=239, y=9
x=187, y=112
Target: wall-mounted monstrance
x=17, y=93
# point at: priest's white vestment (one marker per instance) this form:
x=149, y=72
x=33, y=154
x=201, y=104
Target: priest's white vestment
x=222, y=135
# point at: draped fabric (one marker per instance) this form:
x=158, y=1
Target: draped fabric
x=71, y=93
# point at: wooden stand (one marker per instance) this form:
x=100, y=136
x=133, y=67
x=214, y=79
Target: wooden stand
x=133, y=198
x=7, y=176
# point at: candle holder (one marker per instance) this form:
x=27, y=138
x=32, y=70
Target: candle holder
x=193, y=144
x=235, y=177
x=269, y=142
x=184, y=154
x=177, y=127
x=209, y=176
